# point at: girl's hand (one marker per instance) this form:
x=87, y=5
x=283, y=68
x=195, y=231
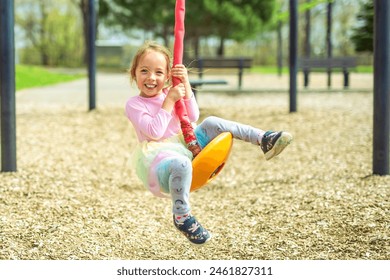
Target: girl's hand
x=180, y=71
x=176, y=93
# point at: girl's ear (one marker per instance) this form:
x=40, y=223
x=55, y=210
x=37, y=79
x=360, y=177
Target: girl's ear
x=168, y=79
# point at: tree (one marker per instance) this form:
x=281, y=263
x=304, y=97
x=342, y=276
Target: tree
x=34, y=23
x=151, y=16
x=51, y=33
x=363, y=36
x=83, y=8
x=238, y=20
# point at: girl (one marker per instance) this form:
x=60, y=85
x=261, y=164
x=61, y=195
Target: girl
x=162, y=161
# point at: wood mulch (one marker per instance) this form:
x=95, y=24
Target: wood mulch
x=75, y=195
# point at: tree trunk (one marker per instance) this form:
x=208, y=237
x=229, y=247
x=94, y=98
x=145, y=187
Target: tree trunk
x=279, y=48
x=221, y=48
x=165, y=35
x=329, y=40
x=196, y=46
x=83, y=4
x=307, y=45
x=42, y=35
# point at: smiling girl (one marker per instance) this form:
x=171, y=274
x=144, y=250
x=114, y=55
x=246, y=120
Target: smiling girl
x=161, y=159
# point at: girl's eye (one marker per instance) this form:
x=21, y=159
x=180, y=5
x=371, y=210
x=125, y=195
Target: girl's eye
x=144, y=70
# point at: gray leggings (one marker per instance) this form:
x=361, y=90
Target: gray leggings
x=175, y=174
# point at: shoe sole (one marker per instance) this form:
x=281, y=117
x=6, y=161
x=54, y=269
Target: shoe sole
x=202, y=244
x=283, y=141
x=197, y=244
x=193, y=243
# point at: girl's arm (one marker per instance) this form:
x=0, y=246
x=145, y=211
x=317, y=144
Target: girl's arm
x=148, y=126
x=180, y=71
x=192, y=109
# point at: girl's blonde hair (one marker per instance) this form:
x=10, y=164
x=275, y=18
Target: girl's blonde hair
x=146, y=47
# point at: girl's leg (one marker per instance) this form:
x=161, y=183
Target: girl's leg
x=271, y=143
x=213, y=126
x=175, y=176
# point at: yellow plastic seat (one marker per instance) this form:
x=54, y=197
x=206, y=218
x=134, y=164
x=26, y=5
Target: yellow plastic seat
x=210, y=161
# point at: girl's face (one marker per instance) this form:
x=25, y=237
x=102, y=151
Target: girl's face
x=151, y=73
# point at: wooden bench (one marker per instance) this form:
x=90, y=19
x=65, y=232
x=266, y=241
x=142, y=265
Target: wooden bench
x=196, y=83
x=239, y=63
x=345, y=64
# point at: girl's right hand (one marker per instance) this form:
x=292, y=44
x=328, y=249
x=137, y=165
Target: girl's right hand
x=174, y=94
x=177, y=92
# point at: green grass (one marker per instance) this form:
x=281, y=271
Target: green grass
x=365, y=69
x=34, y=76
x=274, y=69
x=267, y=69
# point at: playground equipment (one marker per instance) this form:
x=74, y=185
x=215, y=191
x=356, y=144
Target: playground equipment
x=7, y=87
x=208, y=162
x=381, y=112
x=293, y=58
x=91, y=54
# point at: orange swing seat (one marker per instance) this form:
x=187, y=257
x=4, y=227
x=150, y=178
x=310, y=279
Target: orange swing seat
x=210, y=161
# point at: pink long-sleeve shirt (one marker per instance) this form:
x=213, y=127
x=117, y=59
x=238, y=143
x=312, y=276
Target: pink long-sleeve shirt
x=151, y=122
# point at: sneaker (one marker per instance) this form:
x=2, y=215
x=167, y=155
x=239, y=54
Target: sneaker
x=274, y=142
x=194, y=232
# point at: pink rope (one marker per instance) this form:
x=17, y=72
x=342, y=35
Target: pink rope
x=179, y=31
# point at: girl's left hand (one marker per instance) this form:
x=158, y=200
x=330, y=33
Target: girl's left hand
x=180, y=71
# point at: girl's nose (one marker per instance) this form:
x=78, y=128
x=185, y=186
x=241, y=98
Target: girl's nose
x=152, y=76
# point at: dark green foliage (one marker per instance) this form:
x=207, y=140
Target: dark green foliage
x=364, y=34
x=238, y=20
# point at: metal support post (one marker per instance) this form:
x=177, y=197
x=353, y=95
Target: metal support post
x=293, y=63
x=381, y=87
x=7, y=86
x=92, y=54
